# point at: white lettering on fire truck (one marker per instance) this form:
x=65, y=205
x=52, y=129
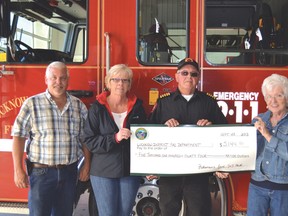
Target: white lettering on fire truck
x=238, y=104
x=239, y=96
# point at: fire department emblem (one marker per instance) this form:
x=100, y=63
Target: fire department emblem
x=141, y=133
x=162, y=79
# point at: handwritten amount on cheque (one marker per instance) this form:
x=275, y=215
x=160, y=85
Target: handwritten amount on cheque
x=192, y=155
x=156, y=150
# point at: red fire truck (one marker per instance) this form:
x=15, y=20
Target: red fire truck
x=236, y=42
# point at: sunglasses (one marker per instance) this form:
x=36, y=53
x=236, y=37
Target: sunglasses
x=185, y=73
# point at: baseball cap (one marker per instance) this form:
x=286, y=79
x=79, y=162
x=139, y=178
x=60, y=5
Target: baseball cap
x=188, y=61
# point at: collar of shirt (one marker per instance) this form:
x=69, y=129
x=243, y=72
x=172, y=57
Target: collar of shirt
x=177, y=95
x=49, y=97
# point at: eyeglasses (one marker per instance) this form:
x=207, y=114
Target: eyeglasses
x=277, y=97
x=185, y=73
x=117, y=80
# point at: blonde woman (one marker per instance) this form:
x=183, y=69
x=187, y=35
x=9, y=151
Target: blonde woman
x=107, y=136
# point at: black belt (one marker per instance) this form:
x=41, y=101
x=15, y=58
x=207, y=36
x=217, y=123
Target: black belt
x=58, y=166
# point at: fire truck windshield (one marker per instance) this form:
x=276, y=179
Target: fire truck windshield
x=43, y=31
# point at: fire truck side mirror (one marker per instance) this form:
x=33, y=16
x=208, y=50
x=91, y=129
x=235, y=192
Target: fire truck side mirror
x=4, y=19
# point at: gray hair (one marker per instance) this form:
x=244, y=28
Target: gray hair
x=117, y=69
x=275, y=80
x=59, y=65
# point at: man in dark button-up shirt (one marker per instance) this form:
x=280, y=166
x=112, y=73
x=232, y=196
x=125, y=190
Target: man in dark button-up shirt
x=186, y=105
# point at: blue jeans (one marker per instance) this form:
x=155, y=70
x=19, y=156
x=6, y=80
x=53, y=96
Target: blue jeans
x=52, y=191
x=115, y=196
x=262, y=200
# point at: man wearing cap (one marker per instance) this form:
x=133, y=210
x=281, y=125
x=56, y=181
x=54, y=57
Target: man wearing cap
x=187, y=105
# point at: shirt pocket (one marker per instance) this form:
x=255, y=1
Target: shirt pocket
x=283, y=132
x=75, y=124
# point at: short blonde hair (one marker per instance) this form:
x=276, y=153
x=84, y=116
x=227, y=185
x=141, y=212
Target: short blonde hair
x=117, y=69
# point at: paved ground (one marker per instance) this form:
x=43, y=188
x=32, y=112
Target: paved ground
x=22, y=210
x=82, y=207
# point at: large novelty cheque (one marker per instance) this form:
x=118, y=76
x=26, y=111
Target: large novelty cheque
x=192, y=149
